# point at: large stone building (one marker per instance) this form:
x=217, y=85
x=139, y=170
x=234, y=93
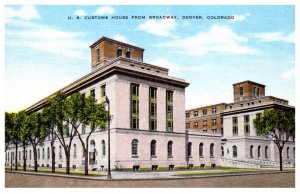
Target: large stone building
x=240, y=144
x=148, y=110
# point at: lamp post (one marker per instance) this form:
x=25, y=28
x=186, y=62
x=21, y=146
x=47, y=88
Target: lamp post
x=108, y=138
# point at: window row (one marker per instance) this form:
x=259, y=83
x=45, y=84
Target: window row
x=204, y=112
x=134, y=108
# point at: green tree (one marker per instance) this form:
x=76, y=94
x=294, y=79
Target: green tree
x=9, y=127
x=23, y=119
x=278, y=125
x=9, y=124
x=15, y=135
x=50, y=121
x=38, y=132
x=64, y=109
x=95, y=116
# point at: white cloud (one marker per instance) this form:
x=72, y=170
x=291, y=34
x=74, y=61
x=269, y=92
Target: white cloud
x=239, y=18
x=275, y=37
x=103, y=10
x=288, y=74
x=26, y=12
x=159, y=28
x=80, y=12
x=44, y=38
x=217, y=40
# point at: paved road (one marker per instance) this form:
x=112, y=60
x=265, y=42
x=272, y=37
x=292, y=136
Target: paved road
x=257, y=180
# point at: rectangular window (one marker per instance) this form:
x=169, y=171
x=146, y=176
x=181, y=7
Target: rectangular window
x=187, y=115
x=195, y=113
x=92, y=93
x=195, y=124
x=204, y=122
x=213, y=121
x=254, y=91
x=246, y=125
x=258, y=115
x=187, y=125
x=169, y=104
x=257, y=92
x=102, y=93
x=134, y=98
x=152, y=109
x=214, y=130
x=235, y=126
x=214, y=110
x=204, y=111
x=98, y=55
x=241, y=91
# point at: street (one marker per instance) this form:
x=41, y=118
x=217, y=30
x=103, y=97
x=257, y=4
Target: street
x=283, y=180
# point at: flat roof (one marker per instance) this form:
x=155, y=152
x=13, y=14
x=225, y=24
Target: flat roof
x=115, y=41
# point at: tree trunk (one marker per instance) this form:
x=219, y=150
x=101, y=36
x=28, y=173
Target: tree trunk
x=16, y=158
x=67, y=162
x=86, y=159
x=35, y=159
x=24, y=158
x=280, y=158
x=53, y=157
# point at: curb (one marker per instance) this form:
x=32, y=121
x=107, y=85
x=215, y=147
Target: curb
x=141, y=179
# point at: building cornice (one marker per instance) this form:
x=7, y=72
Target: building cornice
x=109, y=69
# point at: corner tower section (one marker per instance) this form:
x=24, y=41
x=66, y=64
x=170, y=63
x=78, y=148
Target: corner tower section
x=105, y=50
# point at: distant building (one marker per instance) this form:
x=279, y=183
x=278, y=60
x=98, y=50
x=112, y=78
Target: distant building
x=240, y=144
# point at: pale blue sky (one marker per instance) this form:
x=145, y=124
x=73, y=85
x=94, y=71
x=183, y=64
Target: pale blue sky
x=44, y=50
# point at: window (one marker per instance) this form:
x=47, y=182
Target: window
x=119, y=52
x=187, y=125
x=189, y=150
x=258, y=115
x=251, y=151
x=153, y=148
x=241, y=91
x=214, y=130
x=234, y=151
x=83, y=127
x=235, y=126
x=266, y=152
x=246, y=124
x=287, y=152
x=221, y=119
x=257, y=92
x=201, y=150
x=204, y=122
x=153, y=108
x=134, y=106
x=29, y=154
x=187, y=115
x=48, y=153
x=92, y=93
x=103, y=147
x=204, y=111
x=222, y=131
x=195, y=124
x=195, y=113
x=204, y=130
x=74, y=151
x=127, y=53
x=102, y=93
x=60, y=153
x=211, y=150
x=222, y=149
x=134, y=147
x=258, y=152
x=98, y=55
x=19, y=155
x=213, y=121
x=170, y=149
x=169, y=104
x=38, y=154
x=43, y=154
x=254, y=91
x=214, y=110
x=294, y=152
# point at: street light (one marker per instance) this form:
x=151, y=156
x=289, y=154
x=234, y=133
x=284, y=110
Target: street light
x=108, y=138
